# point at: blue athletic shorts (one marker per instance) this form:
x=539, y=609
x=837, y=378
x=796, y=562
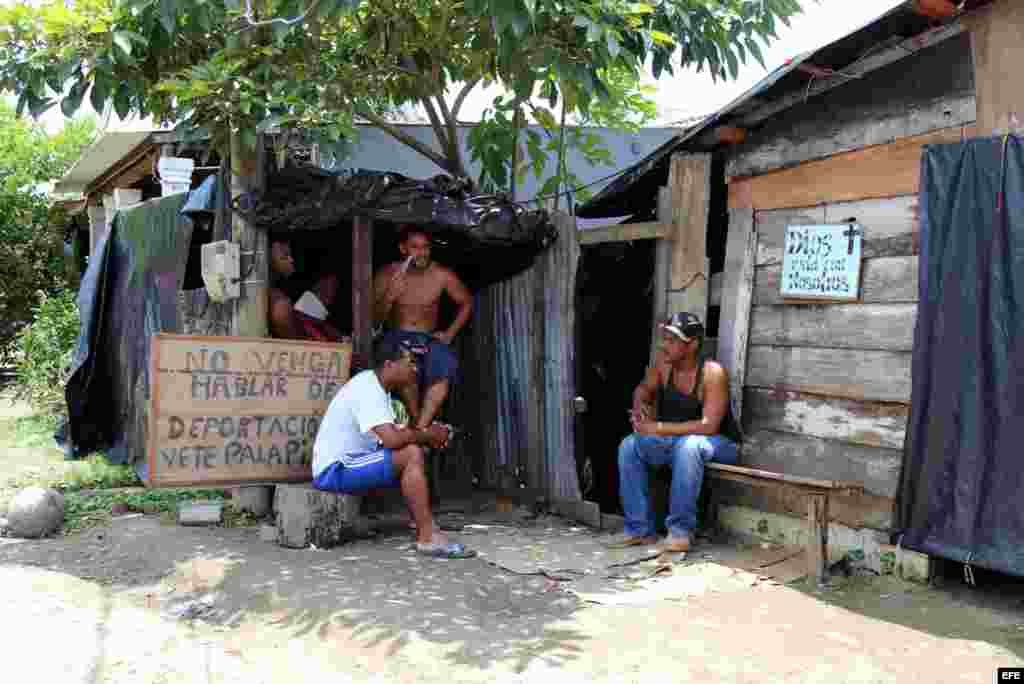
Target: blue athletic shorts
x=439, y=363
x=343, y=479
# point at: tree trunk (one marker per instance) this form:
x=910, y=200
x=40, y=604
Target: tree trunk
x=251, y=307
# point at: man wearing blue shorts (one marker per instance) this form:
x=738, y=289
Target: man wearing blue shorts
x=359, y=447
x=407, y=296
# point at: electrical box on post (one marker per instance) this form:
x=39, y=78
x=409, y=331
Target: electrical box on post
x=221, y=270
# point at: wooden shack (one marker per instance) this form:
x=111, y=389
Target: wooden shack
x=832, y=137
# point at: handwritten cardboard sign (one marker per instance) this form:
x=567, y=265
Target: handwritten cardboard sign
x=822, y=262
x=233, y=410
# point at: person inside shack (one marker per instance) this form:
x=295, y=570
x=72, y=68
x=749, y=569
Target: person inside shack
x=680, y=418
x=283, y=323
x=407, y=296
x=361, y=448
x=307, y=318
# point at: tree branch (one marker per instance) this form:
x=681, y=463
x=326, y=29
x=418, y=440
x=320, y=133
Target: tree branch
x=453, y=132
x=439, y=128
x=251, y=23
x=406, y=139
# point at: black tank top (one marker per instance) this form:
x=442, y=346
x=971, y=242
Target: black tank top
x=674, y=406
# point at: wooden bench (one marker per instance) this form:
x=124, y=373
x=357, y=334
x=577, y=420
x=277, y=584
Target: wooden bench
x=816, y=492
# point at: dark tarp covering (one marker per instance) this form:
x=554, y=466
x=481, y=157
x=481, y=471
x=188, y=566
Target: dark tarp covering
x=484, y=238
x=128, y=294
x=963, y=472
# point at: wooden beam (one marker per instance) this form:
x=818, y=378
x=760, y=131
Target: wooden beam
x=874, y=123
x=872, y=172
x=622, y=232
x=744, y=474
x=847, y=373
x=141, y=154
x=736, y=296
x=888, y=327
x=662, y=268
x=817, y=537
x=362, y=285
x=868, y=423
x=863, y=66
x=690, y=182
x=997, y=42
x=876, y=468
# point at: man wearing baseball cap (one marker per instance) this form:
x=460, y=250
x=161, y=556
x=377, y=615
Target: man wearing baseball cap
x=680, y=418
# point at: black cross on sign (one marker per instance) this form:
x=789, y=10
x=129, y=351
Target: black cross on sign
x=851, y=233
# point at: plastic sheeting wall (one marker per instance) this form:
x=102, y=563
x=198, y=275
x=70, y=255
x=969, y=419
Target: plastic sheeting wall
x=513, y=335
x=959, y=494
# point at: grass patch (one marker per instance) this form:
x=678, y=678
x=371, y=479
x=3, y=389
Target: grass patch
x=89, y=508
x=29, y=432
x=95, y=473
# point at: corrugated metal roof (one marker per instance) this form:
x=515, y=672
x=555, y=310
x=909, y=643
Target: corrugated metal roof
x=109, y=149
x=778, y=87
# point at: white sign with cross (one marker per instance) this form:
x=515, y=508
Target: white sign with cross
x=822, y=262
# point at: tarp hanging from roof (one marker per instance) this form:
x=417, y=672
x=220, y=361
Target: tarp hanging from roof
x=959, y=494
x=484, y=238
x=128, y=294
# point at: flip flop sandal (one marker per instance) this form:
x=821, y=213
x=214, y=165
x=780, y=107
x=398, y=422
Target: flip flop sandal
x=450, y=551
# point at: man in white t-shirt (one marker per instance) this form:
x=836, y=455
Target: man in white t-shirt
x=360, y=447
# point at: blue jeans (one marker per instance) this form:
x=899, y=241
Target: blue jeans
x=687, y=456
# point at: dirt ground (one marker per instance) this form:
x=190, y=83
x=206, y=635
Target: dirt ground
x=141, y=600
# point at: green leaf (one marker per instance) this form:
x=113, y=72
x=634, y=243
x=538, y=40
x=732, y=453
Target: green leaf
x=100, y=91
x=122, y=102
x=169, y=15
x=756, y=51
x=123, y=41
x=73, y=100
x=662, y=38
x=545, y=118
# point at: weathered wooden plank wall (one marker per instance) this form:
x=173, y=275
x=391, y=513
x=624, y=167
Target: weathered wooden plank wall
x=828, y=385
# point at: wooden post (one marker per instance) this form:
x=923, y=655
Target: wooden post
x=251, y=309
x=362, y=285
x=662, y=265
x=817, y=540
x=690, y=192
x=997, y=42
x=97, y=226
x=737, y=294
x=250, y=312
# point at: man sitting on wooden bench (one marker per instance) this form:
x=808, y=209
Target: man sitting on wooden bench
x=681, y=418
x=360, y=447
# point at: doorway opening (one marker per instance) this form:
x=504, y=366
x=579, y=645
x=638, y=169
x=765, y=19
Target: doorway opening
x=615, y=305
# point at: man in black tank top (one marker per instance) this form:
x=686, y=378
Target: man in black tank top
x=681, y=418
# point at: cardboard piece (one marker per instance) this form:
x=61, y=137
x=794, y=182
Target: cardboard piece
x=238, y=410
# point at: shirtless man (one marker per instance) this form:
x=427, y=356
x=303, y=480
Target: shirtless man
x=407, y=295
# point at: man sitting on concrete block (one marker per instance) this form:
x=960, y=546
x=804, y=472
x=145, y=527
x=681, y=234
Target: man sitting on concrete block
x=681, y=418
x=360, y=446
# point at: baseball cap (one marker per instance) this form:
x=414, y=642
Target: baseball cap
x=684, y=325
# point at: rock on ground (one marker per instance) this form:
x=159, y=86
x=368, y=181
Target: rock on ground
x=34, y=512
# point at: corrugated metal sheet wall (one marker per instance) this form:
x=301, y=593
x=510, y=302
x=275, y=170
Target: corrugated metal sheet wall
x=509, y=341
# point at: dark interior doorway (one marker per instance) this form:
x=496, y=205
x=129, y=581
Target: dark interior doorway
x=615, y=304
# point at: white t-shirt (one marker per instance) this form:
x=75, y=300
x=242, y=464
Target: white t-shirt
x=345, y=432
x=311, y=305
